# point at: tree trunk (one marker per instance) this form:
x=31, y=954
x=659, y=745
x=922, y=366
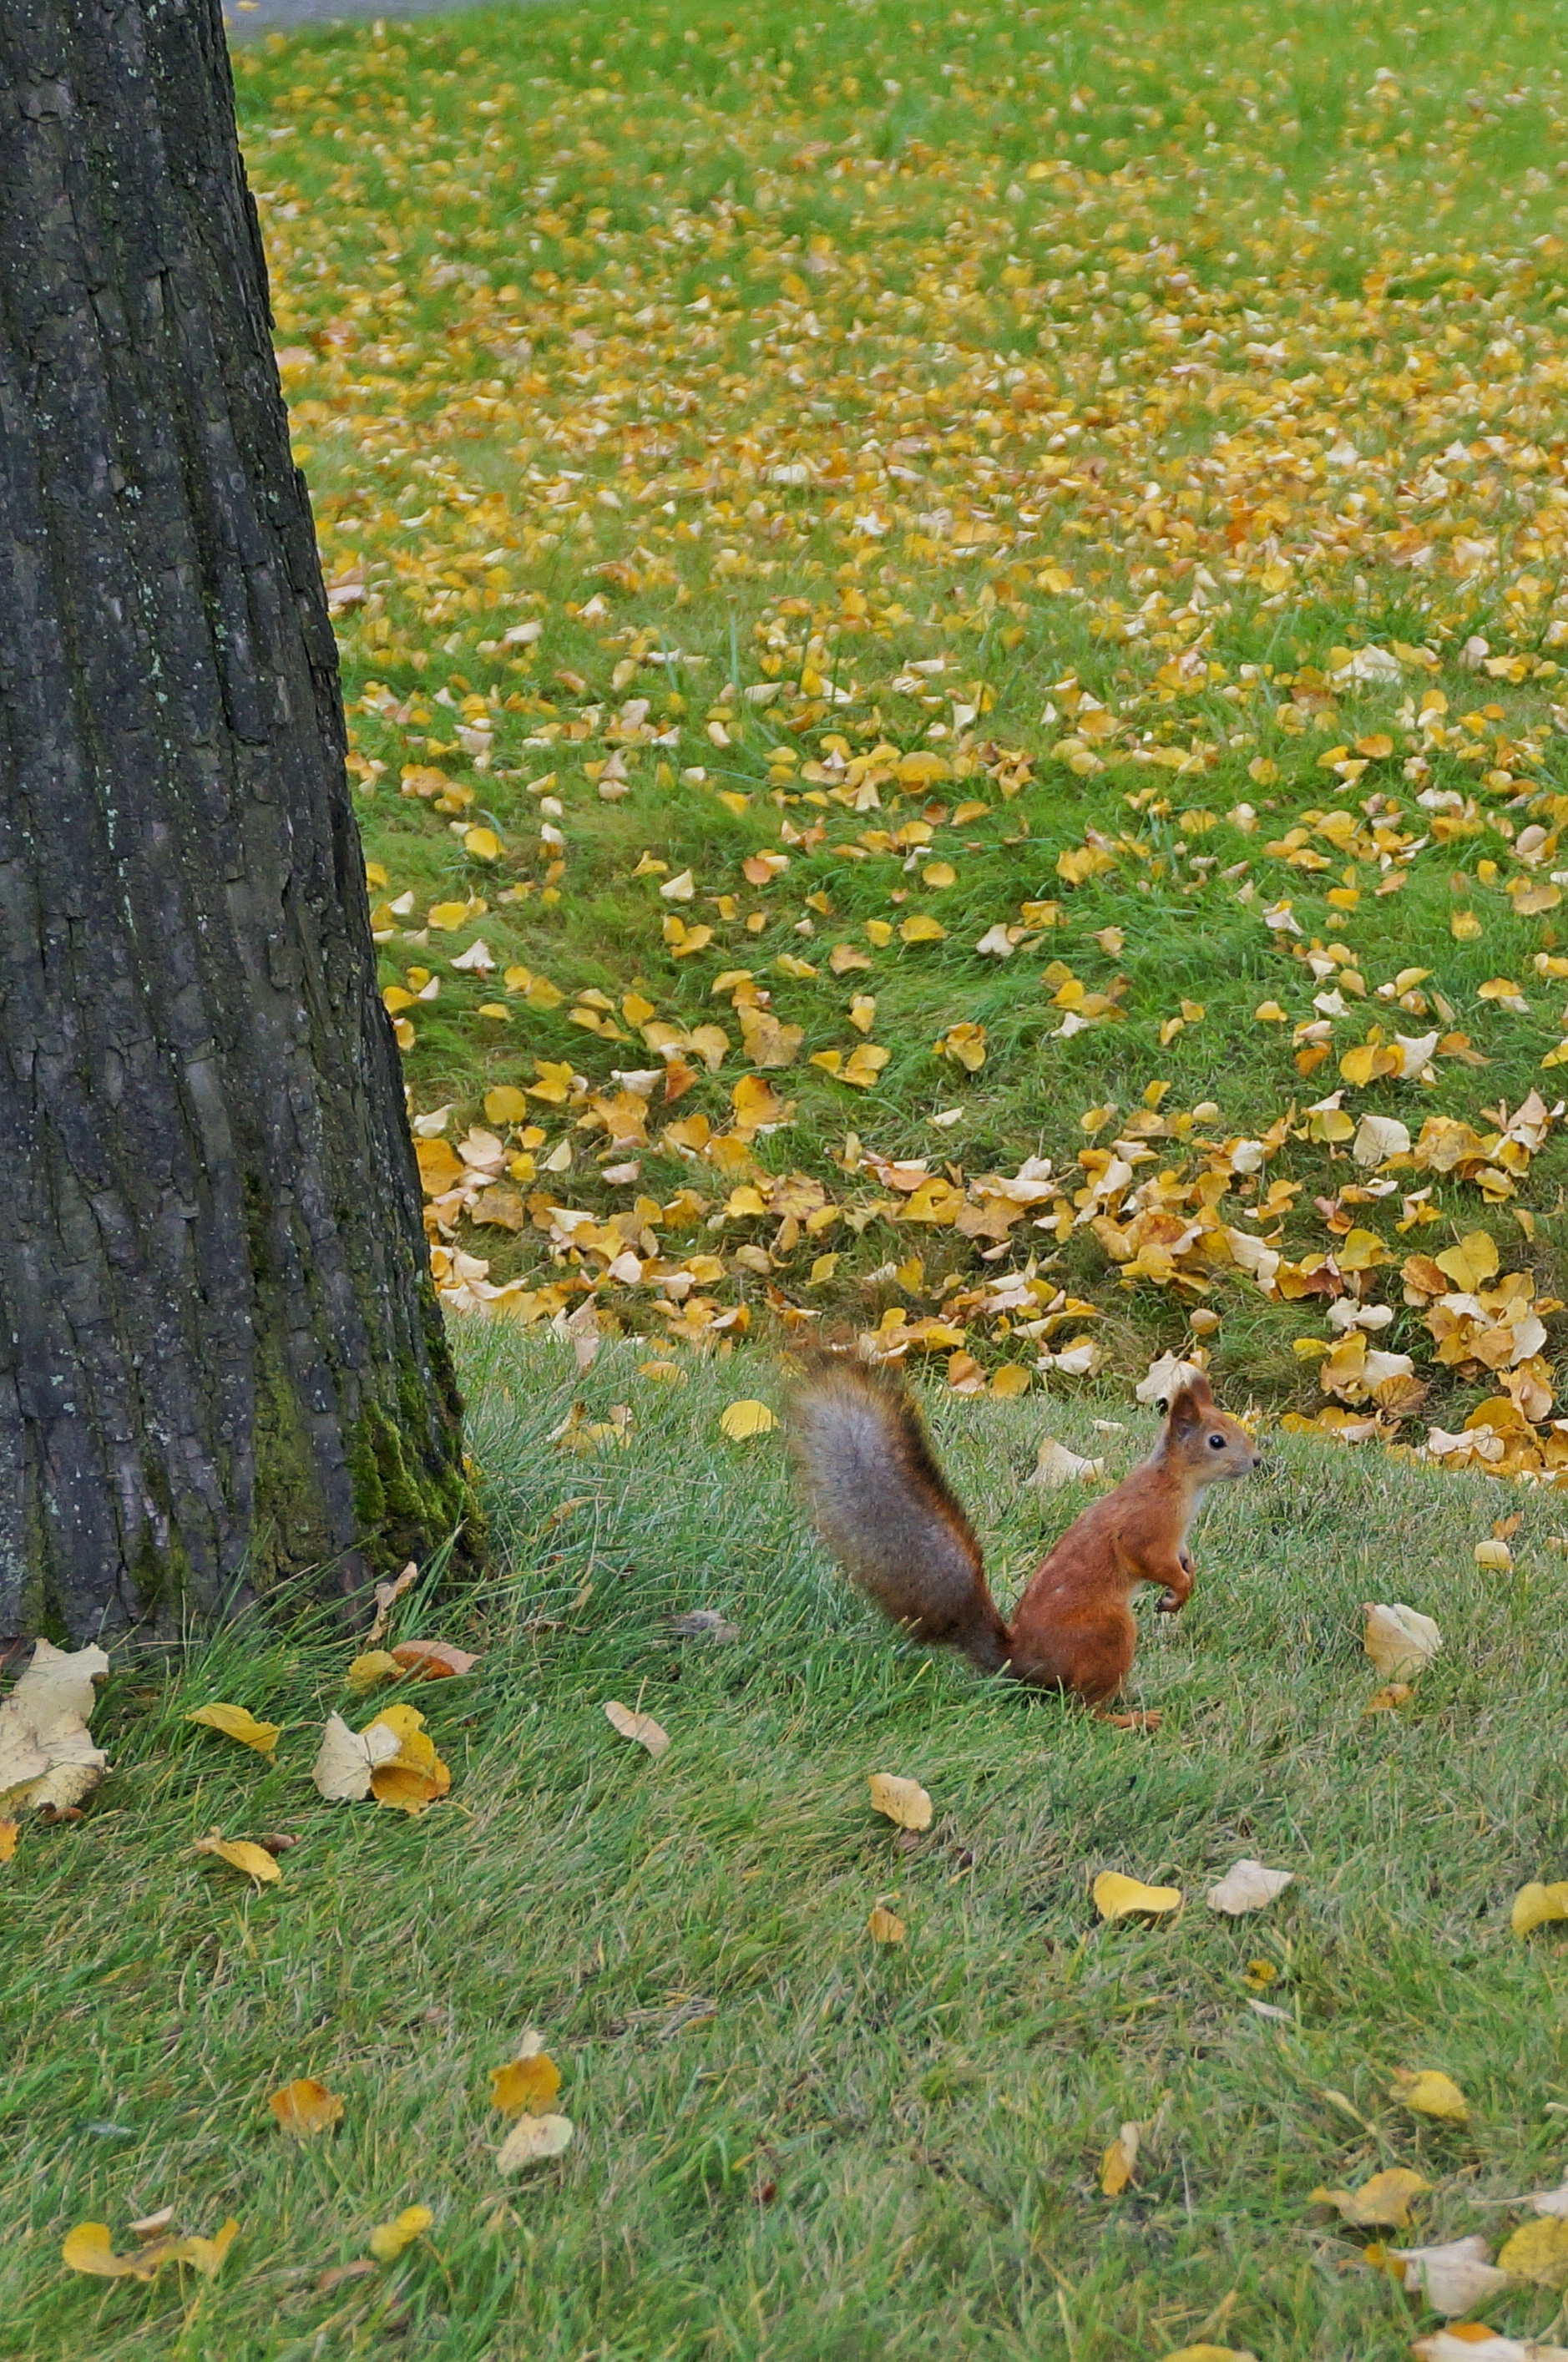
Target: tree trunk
x=221, y=1357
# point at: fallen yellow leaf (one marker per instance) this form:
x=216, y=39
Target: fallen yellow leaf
x=1116, y=2166
x=1430, y=2094
x=1211, y=2353
x=366, y=1673
x=524, y=2085
x=1116, y=1897
x=1384, y=2201
x=415, y=1776
x=741, y=1420
x=904, y=1802
x=10, y=1832
x=240, y=1854
x=388, y=2240
x=305, y=2106
x=90, y=2248
x=886, y=1926
x=1539, y=2252
x=239, y=1722
x=1534, y=1905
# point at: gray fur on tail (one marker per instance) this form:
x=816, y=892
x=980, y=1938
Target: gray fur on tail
x=886, y=1511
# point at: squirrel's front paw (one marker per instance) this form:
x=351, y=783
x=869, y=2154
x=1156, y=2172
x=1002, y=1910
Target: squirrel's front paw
x=1168, y=1603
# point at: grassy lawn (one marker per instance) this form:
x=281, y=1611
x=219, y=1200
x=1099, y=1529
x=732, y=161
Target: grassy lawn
x=953, y=630
x=920, y=595
x=790, y=2141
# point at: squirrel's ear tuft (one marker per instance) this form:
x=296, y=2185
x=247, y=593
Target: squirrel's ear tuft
x=1191, y=1404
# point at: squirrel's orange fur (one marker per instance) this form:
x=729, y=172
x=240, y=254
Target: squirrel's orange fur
x=888, y=1513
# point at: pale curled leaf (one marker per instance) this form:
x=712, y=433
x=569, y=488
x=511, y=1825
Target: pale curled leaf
x=1054, y=1466
x=1470, y=2341
x=47, y=1755
x=1454, y=2276
x=903, y=1801
x=642, y=1728
x=239, y=1722
x=346, y=1759
x=1119, y=1897
x=1248, y=1886
x=531, y=2138
x=1399, y=1641
x=389, y=1594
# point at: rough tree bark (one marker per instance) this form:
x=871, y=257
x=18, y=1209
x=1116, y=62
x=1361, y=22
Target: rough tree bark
x=221, y=1358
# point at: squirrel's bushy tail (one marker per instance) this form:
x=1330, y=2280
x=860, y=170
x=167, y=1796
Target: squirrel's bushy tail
x=886, y=1511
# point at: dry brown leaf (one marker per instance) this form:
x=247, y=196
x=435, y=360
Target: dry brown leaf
x=348, y=1760
x=305, y=2106
x=432, y=1659
x=47, y=1755
x=640, y=1727
x=1116, y=2166
x=1248, y=1886
x=903, y=1801
x=531, y=2138
x=703, y=1623
x=389, y=1594
x=253, y=1860
x=1388, y=1699
x=239, y=1722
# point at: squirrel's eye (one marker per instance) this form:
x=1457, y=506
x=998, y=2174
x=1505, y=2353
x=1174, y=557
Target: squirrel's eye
x=1216, y=1444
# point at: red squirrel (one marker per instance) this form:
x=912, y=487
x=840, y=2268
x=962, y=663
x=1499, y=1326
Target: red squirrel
x=888, y=1513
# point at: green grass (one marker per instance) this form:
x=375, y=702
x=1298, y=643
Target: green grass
x=565, y=300
x=862, y=2152
x=485, y=235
